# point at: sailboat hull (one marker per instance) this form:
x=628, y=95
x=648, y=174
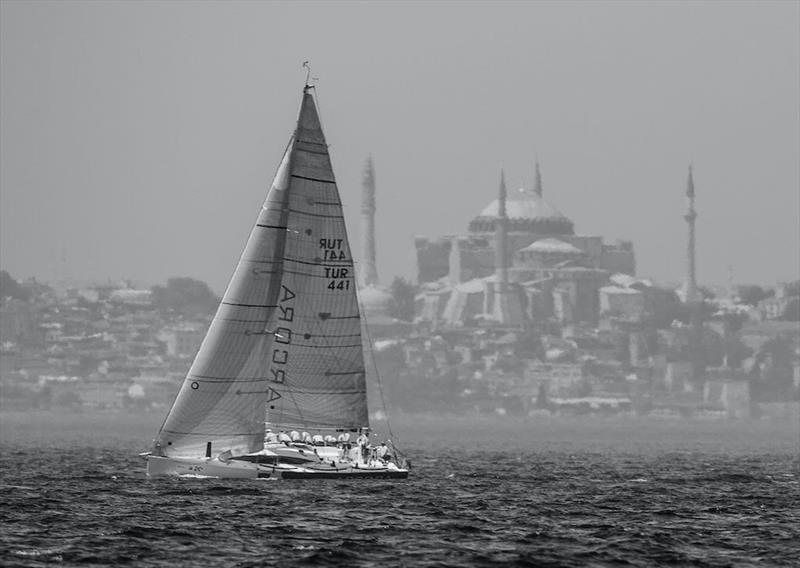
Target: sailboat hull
x=204, y=467
x=329, y=470
x=350, y=473
x=158, y=466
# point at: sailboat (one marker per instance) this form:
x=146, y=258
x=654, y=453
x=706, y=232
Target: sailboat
x=278, y=386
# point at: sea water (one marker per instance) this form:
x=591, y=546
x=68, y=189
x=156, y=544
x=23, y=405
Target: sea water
x=482, y=492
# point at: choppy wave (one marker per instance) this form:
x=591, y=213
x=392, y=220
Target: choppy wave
x=459, y=507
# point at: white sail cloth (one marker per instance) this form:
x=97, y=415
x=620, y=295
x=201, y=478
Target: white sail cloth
x=285, y=343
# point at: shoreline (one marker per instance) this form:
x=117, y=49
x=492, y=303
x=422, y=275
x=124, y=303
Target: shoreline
x=572, y=433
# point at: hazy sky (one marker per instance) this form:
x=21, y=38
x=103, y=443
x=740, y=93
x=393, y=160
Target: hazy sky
x=138, y=139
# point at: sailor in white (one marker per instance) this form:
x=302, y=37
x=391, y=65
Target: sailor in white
x=363, y=443
x=382, y=451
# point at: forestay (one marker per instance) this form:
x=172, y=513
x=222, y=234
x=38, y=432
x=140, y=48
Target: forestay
x=285, y=343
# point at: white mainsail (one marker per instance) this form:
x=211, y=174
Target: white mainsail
x=285, y=343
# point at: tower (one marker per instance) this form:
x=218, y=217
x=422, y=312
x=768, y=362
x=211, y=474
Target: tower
x=503, y=299
x=693, y=301
x=690, y=217
x=537, y=188
x=501, y=236
x=369, y=270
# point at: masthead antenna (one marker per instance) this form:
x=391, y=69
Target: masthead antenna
x=309, y=78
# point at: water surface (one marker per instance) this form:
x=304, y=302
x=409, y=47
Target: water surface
x=558, y=492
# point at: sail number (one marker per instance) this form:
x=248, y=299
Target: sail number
x=338, y=277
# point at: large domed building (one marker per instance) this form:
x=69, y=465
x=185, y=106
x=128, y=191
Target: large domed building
x=557, y=266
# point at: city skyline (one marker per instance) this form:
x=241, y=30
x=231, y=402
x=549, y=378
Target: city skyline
x=138, y=140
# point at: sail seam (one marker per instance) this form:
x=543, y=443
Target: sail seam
x=205, y=433
x=326, y=264
x=227, y=380
x=297, y=273
x=331, y=263
x=328, y=392
x=310, y=346
x=307, y=178
x=300, y=212
x=328, y=336
x=250, y=305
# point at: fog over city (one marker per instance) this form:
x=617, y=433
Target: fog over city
x=138, y=139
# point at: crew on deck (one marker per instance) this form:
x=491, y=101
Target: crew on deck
x=383, y=451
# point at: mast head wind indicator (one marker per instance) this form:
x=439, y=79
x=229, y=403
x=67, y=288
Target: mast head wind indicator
x=309, y=78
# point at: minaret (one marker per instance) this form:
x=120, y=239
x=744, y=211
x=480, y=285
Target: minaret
x=691, y=216
x=696, y=348
x=503, y=301
x=369, y=270
x=538, y=187
x=501, y=237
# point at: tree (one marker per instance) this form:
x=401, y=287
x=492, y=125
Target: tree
x=706, y=293
x=11, y=288
x=776, y=370
x=663, y=307
x=793, y=288
x=185, y=296
x=401, y=304
x=792, y=310
x=751, y=294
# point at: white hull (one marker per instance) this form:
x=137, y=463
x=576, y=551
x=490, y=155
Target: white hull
x=328, y=471
x=348, y=472
x=158, y=466
x=201, y=467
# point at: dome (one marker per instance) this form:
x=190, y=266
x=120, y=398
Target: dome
x=527, y=211
x=524, y=204
x=374, y=300
x=552, y=245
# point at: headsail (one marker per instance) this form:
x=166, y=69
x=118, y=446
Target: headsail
x=317, y=377
x=286, y=338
